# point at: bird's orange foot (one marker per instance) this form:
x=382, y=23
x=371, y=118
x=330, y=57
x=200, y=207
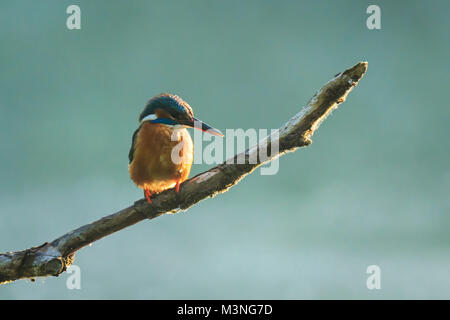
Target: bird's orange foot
x=148, y=195
x=177, y=186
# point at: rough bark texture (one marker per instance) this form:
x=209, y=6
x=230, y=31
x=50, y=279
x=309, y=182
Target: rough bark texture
x=51, y=259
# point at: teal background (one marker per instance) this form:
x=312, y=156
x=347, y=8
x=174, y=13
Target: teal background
x=373, y=188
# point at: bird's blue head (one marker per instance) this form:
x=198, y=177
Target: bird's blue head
x=170, y=109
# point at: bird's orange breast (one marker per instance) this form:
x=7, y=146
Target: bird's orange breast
x=162, y=156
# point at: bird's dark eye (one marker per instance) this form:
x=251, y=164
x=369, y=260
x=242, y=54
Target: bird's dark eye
x=163, y=113
x=175, y=114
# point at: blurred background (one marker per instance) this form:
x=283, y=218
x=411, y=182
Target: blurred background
x=372, y=189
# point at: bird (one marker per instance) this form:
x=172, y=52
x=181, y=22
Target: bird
x=162, y=150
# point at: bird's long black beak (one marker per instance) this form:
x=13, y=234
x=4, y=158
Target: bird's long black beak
x=200, y=125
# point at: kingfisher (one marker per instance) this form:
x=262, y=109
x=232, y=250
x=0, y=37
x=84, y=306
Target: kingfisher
x=162, y=150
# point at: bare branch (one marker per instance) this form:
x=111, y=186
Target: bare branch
x=51, y=259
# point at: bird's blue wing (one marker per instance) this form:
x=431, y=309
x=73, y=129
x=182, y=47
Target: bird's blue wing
x=133, y=145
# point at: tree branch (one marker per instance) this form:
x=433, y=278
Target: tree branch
x=51, y=259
